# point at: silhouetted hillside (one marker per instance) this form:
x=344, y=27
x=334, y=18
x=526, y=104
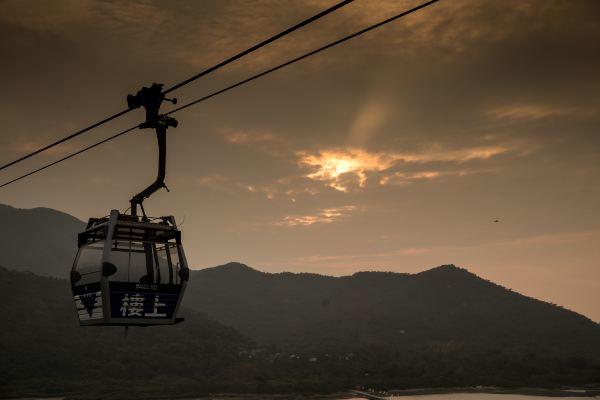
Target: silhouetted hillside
x=287, y=332
x=445, y=306
x=40, y=240
x=44, y=351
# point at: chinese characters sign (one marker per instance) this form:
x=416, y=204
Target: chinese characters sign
x=133, y=306
x=134, y=300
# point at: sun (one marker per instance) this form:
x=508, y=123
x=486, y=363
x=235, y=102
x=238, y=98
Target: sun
x=329, y=166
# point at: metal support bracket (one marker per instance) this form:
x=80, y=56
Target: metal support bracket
x=151, y=99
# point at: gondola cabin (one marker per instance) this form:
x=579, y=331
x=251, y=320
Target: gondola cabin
x=129, y=271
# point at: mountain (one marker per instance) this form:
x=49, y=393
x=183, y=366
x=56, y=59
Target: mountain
x=46, y=352
x=445, y=306
x=39, y=240
x=250, y=331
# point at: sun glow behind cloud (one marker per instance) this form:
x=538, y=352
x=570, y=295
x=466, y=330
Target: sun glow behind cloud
x=337, y=167
x=330, y=166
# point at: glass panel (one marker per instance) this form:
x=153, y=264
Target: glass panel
x=120, y=259
x=174, y=252
x=130, y=259
x=137, y=266
x=89, y=263
x=91, y=277
x=145, y=262
x=164, y=262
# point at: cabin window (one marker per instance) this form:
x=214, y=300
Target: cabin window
x=145, y=262
x=130, y=259
x=176, y=262
x=89, y=263
x=168, y=262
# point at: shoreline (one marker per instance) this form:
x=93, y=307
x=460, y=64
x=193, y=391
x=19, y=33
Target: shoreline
x=352, y=394
x=527, y=391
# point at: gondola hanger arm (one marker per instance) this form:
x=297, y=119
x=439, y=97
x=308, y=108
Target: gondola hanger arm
x=151, y=99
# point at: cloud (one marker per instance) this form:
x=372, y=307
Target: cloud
x=211, y=180
x=405, y=178
x=337, y=167
x=251, y=137
x=61, y=17
x=530, y=111
x=323, y=216
x=543, y=239
x=331, y=166
x=438, y=153
x=45, y=16
x=553, y=238
x=271, y=144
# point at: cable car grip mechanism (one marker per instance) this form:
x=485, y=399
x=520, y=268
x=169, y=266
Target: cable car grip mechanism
x=151, y=99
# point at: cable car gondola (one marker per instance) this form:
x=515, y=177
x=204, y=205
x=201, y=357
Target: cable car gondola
x=131, y=269
x=129, y=272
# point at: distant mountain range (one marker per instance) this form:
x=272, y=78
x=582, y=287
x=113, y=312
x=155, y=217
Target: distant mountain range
x=252, y=331
x=445, y=305
x=40, y=240
x=45, y=352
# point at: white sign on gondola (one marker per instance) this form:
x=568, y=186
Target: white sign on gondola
x=133, y=306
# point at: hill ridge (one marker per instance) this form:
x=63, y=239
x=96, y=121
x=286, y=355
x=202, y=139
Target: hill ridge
x=447, y=302
x=329, y=334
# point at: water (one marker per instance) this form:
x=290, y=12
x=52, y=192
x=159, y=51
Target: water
x=484, y=396
x=446, y=396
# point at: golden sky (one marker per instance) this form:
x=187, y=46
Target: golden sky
x=395, y=151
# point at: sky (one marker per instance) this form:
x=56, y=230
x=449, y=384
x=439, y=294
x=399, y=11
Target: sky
x=395, y=151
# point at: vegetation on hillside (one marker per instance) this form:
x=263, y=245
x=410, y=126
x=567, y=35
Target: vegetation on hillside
x=445, y=306
x=45, y=352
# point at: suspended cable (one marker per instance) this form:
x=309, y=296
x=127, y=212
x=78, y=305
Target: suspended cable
x=261, y=44
x=97, y=124
x=292, y=61
x=69, y=156
x=193, y=78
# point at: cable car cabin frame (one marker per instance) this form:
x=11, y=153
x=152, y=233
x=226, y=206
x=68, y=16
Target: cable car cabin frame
x=129, y=272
